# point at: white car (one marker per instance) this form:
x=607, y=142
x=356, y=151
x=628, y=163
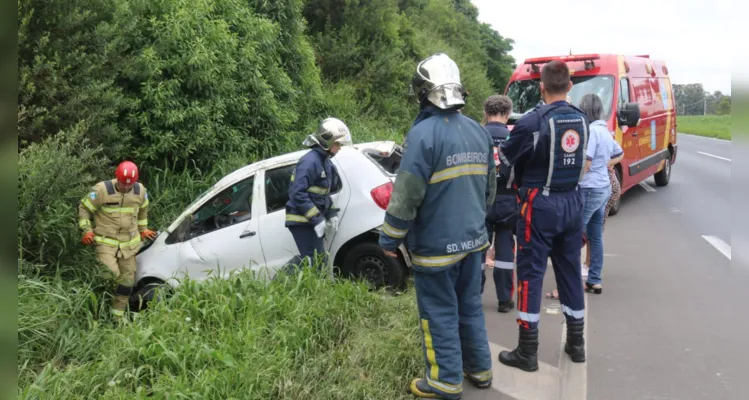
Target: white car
x=239, y=224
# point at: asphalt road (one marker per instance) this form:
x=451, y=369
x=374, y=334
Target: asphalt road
x=671, y=322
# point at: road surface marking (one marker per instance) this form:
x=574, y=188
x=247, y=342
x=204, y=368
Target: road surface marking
x=647, y=187
x=573, y=377
x=540, y=384
x=719, y=245
x=714, y=156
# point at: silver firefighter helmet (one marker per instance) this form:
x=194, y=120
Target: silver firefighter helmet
x=330, y=130
x=437, y=79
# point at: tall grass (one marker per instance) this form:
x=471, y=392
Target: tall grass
x=717, y=126
x=302, y=337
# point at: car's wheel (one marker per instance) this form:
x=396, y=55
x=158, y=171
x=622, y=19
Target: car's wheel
x=368, y=261
x=662, y=178
x=144, y=294
x=615, y=206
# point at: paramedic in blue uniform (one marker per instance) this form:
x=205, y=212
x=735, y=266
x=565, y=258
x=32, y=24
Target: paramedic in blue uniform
x=549, y=142
x=438, y=206
x=310, y=210
x=502, y=215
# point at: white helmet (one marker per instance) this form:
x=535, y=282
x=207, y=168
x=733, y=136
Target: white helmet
x=330, y=130
x=437, y=79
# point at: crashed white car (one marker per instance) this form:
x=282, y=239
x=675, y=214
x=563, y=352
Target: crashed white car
x=239, y=224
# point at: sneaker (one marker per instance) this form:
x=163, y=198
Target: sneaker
x=585, y=270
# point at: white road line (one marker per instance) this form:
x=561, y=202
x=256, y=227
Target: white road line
x=719, y=245
x=573, y=377
x=647, y=187
x=714, y=156
x=521, y=385
x=704, y=137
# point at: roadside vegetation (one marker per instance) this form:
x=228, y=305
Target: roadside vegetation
x=717, y=126
x=191, y=91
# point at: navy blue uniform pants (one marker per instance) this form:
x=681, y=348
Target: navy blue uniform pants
x=504, y=260
x=452, y=324
x=549, y=226
x=309, y=244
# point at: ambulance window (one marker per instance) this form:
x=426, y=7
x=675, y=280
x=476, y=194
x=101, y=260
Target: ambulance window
x=623, y=92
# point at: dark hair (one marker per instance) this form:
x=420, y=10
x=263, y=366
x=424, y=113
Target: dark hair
x=555, y=77
x=592, y=106
x=497, y=105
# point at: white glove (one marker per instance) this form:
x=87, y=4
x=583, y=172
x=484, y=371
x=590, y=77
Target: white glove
x=333, y=224
x=320, y=228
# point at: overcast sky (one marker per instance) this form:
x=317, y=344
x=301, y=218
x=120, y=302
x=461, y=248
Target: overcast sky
x=692, y=36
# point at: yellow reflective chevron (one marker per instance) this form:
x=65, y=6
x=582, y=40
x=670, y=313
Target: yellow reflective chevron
x=434, y=368
x=461, y=170
x=87, y=203
x=143, y=222
x=83, y=223
x=442, y=261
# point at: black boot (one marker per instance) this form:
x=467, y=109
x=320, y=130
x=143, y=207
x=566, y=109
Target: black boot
x=525, y=355
x=575, y=345
x=505, y=306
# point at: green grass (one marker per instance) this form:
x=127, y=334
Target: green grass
x=300, y=338
x=717, y=126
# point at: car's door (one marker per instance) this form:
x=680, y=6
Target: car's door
x=278, y=243
x=224, y=232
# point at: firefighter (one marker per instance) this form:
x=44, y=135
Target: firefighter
x=310, y=211
x=549, y=143
x=119, y=209
x=502, y=215
x=438, y=206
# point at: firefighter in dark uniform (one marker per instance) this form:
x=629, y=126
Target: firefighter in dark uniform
x=549, y=142
x=501, y=217
x=438, y=206
x=310, y=211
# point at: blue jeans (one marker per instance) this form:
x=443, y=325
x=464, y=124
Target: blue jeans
x=595, y=200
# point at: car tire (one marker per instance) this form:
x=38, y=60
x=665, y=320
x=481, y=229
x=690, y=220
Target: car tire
x=662, y=178
x=147, y=293
x=615, y=207
x=367, y=260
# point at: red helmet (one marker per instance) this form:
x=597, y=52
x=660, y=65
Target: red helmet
x=126, y=172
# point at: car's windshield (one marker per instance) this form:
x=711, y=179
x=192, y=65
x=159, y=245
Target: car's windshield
x=526, y=94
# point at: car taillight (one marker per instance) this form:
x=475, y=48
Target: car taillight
x=381, y=195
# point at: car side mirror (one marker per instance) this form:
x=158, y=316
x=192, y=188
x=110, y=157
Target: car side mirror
x=629, y=115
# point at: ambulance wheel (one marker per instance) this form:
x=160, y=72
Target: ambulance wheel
x=615, y=206
x=367, y=260
x=662, y=178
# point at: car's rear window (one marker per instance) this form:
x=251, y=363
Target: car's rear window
x=389, y=163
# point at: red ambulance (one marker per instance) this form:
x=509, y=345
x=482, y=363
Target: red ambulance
x=638, y=107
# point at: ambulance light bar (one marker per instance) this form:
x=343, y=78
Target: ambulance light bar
x=587, y=58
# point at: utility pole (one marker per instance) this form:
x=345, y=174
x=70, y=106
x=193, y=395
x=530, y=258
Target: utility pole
x=704, y=103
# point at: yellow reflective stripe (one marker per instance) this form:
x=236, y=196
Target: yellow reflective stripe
x=312, y=212
x=317, y=190
x=132, y=242
x=126, y=210
x=461, y=170
x=393, y=232
x=87, y=203
x=116, y=243
x=445, y=387
x=434, y=369
x=145, y=203
x=441, y=261
x=481, y=376
x=106, y=240
x=143, y=222
x=84, y=223
x=296, y=218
